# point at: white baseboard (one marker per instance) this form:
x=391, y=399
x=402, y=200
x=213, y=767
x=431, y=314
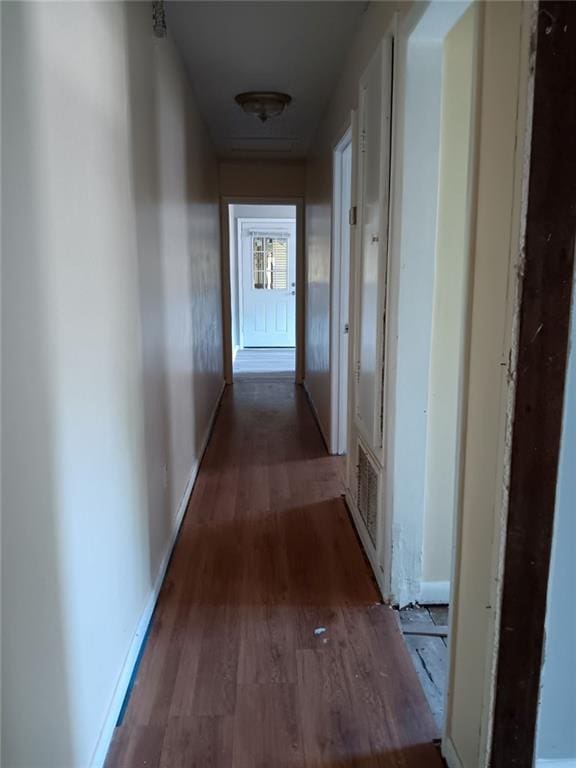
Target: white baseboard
x=434, y=592
x=315, y=412
x=115, y=707
x=450, y=754
x=563, y=762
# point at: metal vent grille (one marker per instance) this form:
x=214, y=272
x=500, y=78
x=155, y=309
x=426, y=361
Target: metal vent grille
x=367, y=492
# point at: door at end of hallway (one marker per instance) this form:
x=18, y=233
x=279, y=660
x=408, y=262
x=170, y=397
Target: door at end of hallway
x=267, y=281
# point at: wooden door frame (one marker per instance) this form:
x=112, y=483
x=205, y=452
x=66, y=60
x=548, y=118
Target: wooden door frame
x=541, y=371
x=225, y=202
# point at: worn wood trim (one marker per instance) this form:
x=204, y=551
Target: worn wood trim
x=541, y=369
x=425, y=629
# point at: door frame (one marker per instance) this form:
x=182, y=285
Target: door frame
x=542, y=357
x=404, y=524
x=497, y=189
x=357, y=436
x=268, y=225
x=225, y=202
x=372, y=435
x=339, y=368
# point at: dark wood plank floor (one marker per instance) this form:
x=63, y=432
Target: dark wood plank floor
x=268, y=647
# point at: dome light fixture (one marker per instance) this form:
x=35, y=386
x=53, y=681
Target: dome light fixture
x=263, y=104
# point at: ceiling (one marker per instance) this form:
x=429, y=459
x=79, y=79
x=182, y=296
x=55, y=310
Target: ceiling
x=294, y=47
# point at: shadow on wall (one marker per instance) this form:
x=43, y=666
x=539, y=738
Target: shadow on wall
x=145, y=172
x=174, y=180
x=32, y=610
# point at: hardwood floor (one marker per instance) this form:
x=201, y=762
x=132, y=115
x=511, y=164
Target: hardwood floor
x=276, y=360
x=268, y=646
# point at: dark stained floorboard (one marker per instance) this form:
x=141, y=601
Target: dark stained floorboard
x=234, y=674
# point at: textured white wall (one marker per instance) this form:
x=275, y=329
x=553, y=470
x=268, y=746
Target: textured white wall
x=111, y=352
x=410, y=351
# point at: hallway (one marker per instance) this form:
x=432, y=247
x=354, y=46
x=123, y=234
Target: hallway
x=268, y=647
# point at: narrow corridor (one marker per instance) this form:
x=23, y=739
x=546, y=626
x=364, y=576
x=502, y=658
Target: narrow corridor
x=269, y=647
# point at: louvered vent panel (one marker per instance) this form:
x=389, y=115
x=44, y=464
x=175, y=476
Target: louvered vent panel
x=367, y=492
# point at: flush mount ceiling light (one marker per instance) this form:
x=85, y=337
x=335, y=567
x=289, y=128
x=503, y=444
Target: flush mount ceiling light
x=263, y=104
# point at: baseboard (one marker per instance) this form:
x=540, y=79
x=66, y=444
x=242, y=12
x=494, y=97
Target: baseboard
x=315, y=413
x=562, y=762
x=366, y=543
x=115, y=707
x=450, y=754
x=434, y=592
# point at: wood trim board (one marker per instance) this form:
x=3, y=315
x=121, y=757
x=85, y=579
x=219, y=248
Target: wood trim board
x=540, y=378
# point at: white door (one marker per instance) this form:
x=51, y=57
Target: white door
x=345, y=205
x=374, y=158
x=268, y=280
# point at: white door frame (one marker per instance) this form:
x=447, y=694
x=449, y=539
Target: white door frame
x=266, y=225
x=340, y=295
x=405, y=505
x=225, y=202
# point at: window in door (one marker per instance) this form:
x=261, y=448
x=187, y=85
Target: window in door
x=270, y=263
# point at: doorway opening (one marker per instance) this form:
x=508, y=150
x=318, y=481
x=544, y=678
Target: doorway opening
x=437, y=57
x=263, y=253
x=340, y=285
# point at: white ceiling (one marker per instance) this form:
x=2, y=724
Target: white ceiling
x=293, y=47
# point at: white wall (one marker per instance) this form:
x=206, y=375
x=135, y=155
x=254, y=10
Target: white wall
x=557, y=715
x=111, y=355
x=318, y=230
x=501, y=120
x=409, y=354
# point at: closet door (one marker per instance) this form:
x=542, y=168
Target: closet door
x=373, y=197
